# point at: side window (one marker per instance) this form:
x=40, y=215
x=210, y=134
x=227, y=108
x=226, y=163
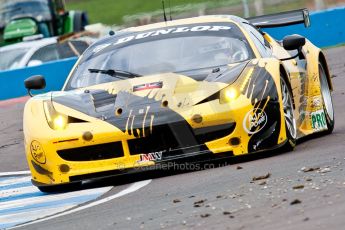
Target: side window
x=80, y=46
x=45, y=54
x=71, y=49
x=260, y=42
x=65, y=51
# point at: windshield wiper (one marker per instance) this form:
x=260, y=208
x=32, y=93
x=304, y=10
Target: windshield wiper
x=116, y=73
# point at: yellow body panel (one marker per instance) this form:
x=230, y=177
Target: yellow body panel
x=184, y=97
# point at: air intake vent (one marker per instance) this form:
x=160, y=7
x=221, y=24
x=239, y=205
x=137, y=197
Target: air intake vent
x=92, y=153
x=102, y=98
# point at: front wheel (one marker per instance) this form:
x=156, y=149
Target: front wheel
x=289, y=117
x=327, y=99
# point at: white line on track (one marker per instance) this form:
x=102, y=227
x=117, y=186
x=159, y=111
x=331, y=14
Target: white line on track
x=21, y=202
x=12, y=180
x=48, y=198
x=14, y=173
x=132, y=188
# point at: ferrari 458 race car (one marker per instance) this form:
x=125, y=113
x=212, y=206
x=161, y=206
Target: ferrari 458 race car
x=210, y=85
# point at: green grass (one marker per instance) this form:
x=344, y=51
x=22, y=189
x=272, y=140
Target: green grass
x=115, y=11
x=112, y=11
x=297, y=4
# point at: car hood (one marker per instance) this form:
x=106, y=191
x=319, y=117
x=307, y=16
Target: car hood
x=178, y=91
x=163, y=96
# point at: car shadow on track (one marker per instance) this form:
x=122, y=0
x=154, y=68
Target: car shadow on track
x=176, y=168
x=180, y=167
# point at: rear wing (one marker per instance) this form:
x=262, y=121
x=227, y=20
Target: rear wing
x=282, y=19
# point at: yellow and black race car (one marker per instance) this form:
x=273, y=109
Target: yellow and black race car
x=179, y=89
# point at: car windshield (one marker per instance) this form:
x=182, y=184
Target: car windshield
x=146, y=54
x=10, y=9
x=13, y=58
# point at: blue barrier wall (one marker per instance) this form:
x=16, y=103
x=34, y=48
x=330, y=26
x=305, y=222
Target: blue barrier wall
x=327, y=28
x=55, y=73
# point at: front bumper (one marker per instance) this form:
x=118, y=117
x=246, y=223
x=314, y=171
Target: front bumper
x=73, y=159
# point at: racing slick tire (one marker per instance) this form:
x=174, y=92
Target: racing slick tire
x=289, y=117
x=327, y=100
x=80, y=21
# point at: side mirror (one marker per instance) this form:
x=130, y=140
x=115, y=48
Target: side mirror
x=293, y=42
x=34, y=63
x=35, y=82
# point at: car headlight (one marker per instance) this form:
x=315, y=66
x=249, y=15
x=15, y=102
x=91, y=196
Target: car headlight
x=60, y=122
x=228, y=94
x=232, y=92
x=56, y=120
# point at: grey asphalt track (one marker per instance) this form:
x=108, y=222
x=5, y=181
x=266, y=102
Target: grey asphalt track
x=224, y=197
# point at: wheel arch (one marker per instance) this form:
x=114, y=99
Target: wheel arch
x=286, y=78
x=323, y=61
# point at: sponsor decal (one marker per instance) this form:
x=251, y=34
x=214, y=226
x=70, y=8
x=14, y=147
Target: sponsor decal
x=175, y=30
x=37, y=152
x=254, y=121
x=318, y=120
x=154, y=156
x=316, y=103
x=153, y=85
x=101, y=47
